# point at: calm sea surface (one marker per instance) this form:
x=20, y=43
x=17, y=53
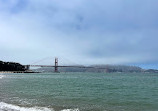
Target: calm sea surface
x=79, y=92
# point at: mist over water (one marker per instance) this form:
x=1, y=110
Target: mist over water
x=79, y=92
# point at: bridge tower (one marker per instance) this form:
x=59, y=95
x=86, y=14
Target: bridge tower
x=56, y=65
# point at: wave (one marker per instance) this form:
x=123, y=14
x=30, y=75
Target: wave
x=1, y=76
x=11, y=107
x=70, y=110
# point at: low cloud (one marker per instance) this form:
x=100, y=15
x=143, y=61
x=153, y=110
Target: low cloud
x=85, y=31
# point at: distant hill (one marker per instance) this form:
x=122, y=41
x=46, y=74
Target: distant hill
x=151, y=71
x=11, y=66
x=97, y=68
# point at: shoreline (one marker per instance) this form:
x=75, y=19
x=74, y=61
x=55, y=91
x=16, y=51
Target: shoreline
x=18, y=72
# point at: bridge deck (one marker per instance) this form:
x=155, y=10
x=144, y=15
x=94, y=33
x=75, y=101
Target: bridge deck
x=58, y=66
x=64, y=66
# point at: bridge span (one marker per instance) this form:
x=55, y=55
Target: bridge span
x=56, y=66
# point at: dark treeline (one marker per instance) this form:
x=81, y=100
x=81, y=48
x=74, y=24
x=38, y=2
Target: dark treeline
x=11, y=66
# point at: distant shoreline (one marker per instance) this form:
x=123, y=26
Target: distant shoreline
x=18, y=72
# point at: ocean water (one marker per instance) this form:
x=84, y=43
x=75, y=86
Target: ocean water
x=79, y=92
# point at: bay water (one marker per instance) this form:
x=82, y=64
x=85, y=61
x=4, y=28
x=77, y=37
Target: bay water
x=79, y=92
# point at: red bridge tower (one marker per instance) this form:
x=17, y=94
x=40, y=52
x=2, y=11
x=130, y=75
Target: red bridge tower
x=56, y=65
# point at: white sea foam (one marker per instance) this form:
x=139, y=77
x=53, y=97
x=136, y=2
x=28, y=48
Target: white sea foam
x=1, y=76
x=10, y=107
x=70, y=110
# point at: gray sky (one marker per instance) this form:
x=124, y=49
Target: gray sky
x=82, y=31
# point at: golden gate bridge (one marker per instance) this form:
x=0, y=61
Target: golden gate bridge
x=56, y=66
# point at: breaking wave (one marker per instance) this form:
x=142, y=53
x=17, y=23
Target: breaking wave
x=70, y=110
x=10, y=107
x=1, y=76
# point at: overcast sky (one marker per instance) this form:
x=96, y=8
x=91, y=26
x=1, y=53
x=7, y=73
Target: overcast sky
x=81, y=31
